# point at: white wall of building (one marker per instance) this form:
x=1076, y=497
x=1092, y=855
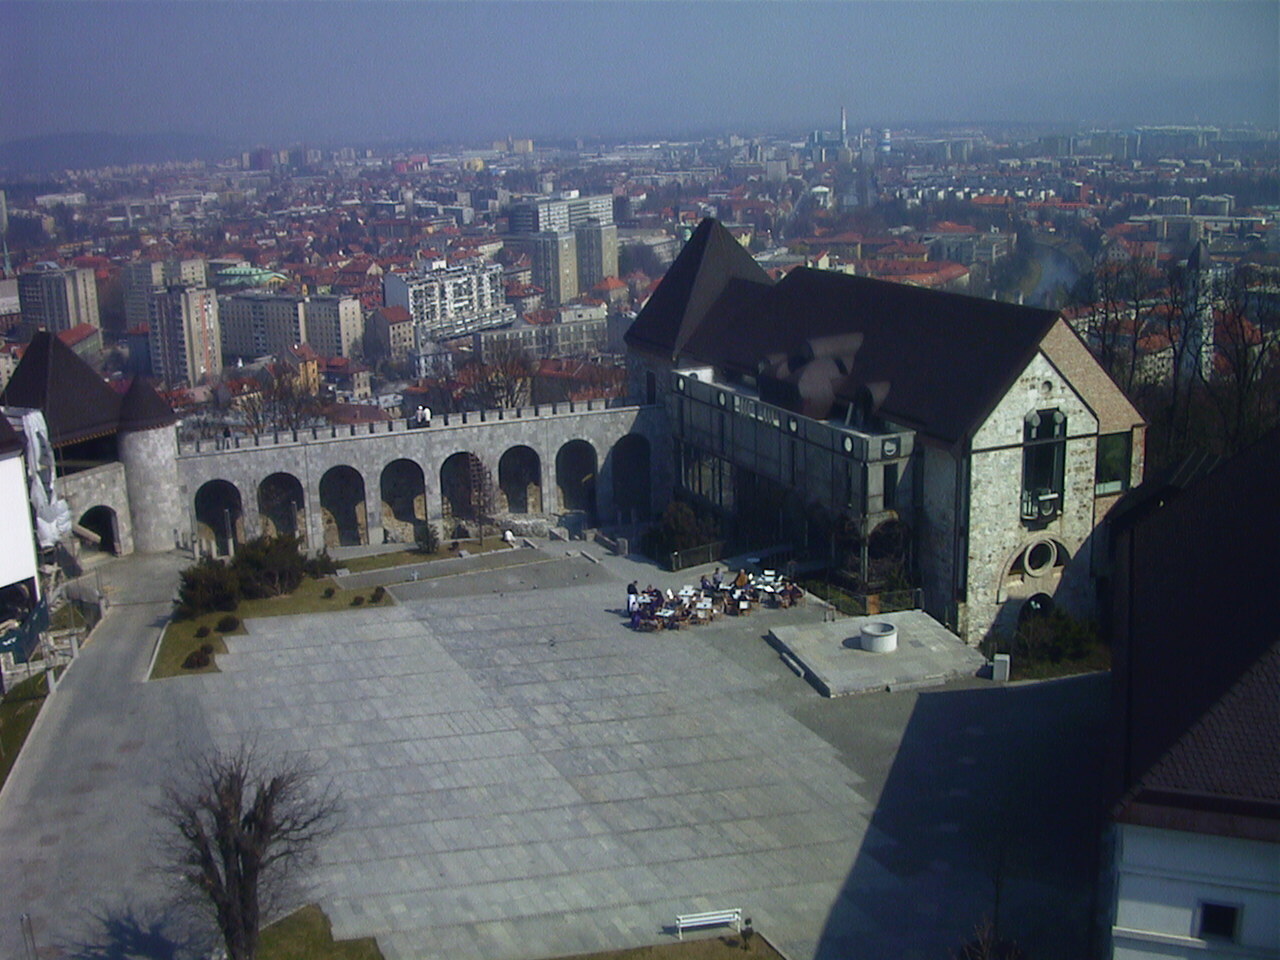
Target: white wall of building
x=1164, y=876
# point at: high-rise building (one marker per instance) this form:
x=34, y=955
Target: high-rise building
x=185, y=335
x=334, y=323
x=597, y=252
x=559, y=213
x=142, y=278
x=257, y=323
x=58, y=298
x=555, y=264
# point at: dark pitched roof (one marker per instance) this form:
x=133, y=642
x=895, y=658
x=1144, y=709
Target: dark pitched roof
x=947, y=359
x=710, y=259
x=1197, y=623
x=76, y=402
x=1223, y=775
x=141, y=408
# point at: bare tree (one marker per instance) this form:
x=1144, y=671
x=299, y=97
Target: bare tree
x=1241, y=385
x=240, y=823
x=505, y=381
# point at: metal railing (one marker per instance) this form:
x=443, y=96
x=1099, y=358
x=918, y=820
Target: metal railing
x=692, y=556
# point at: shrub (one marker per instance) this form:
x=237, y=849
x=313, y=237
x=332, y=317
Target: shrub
x=321, y=565
x=206, y=649
x=328, y=593
x=357, y=600
x=196, y=659
x=207, y=586
x=378, y=594
x=201, y=632
x=269, y=566
x=426, y=537
x=228, y=623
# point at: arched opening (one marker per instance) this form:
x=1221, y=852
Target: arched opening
x=576, y=478
x=1036, y=607
x=282, y=506
x=343, y=508
x=404, y=499
x=632, y=494
x=100, y=522
x=219, y=515
x=520, y=480
x=464, y=490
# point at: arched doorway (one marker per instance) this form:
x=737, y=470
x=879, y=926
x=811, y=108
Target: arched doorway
x=219, y=515
x=520, y=480
x=576, y=478
x=404, y=499
x=343, y=508
x=282, y=506
x=632, y=494
x=101, y=521
x=465, y=491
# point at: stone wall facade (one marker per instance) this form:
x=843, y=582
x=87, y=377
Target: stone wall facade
x=309, y=459
x=102, y=486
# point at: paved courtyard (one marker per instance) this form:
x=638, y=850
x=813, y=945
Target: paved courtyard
x=525, y=777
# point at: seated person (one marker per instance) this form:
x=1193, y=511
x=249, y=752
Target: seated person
x=717, y=579
x=705, y=583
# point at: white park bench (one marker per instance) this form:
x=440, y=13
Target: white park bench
x=712, y=918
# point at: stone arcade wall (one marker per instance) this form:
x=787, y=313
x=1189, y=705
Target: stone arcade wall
x=543, y=429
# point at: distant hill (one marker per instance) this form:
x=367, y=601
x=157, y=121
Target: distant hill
x=61, y=151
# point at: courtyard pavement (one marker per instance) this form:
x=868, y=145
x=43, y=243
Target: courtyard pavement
x=524, y=777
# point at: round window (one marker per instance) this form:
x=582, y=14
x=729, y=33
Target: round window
x=1040, y=557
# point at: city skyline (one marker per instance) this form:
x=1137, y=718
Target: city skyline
x=280, y=72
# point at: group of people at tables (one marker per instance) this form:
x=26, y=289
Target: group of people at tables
x=715, y=594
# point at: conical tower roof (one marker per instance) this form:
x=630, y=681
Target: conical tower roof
x=141, y=408
x=710, y=259
x=76, y=402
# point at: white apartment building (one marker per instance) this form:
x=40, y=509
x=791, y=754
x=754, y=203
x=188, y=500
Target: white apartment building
x=449, y=301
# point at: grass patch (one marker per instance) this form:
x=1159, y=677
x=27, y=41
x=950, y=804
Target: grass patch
x=307, y=934
x=18, y=712
x=714, y=948
x=1097, y=659
x=180, y=635
x=402, y=558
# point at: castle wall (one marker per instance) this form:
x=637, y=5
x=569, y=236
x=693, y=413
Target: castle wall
x=311, y=456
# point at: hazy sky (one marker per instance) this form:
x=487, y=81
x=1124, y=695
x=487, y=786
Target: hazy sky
x=283, y=71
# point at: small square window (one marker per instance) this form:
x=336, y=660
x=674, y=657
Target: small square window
x=1218, y=921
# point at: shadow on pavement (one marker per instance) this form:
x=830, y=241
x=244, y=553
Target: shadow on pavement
x=145, y=934
x=990, y=811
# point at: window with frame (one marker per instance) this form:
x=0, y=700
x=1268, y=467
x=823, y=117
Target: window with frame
x=1115, y=451
x=1218, y=921
x=1044, y=457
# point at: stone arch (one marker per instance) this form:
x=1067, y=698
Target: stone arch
x=282, y=506
x=103, y=522
x=520, y=480
x=404, y=499
x=632, y=483
x=220, y=515
x=1036, y=566
x=463, y=489
x=576, y=468
x=343, y=508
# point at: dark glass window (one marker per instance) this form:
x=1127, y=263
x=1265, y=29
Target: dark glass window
x=1114, y=453
x=1218, y=921
x=1043, y=463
